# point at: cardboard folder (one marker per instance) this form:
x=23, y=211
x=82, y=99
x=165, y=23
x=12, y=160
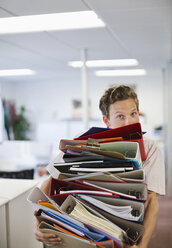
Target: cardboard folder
x=41, y=215
x=132, y=132
x=68, y=240
x=94, y=236
x=119, y=151
x=131, y=176
x=100, y=176
x=130, y=150
x=64, y=142
x=132, y=230
x=123, y=150
x=37, y=195
x=92, y=219
x=122, y=208
x=96, y=150
x=135, y=191
x=86, y=156
x=95, y=166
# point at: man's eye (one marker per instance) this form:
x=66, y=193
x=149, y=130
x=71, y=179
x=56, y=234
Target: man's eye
x=120, y=116
x=134, y=114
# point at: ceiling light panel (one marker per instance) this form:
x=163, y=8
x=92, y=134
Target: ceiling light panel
x=105, y=63
x=16, y=72
x=117, y=73
x=50, y=22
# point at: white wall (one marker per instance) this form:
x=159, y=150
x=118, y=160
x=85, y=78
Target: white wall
x=52, y=101
x=168, y=118
x=150, y=94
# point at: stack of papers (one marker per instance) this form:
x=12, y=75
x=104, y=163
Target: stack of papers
x=98, y=199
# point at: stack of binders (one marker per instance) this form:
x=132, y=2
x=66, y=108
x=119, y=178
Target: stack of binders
x=99, y=197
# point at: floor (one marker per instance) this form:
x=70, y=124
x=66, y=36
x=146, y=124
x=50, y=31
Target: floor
x=162, y=237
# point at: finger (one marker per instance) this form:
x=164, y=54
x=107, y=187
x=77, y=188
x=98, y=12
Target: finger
x=35, y=212
x=44, y=236
x=52, y=244
x=47, y=237
x=49, y=240
x=35, y=219
x=53, y=240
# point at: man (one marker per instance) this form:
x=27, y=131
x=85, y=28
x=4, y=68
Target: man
x=120, y=106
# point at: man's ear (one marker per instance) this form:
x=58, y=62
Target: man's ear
x=106, y=120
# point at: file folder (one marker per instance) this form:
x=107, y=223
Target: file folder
x=68, y=240
x=43, y=216
x=64, y=142
x=37, y=195
x=122, y=208
x=96, y=150
x=135, y=191
x=59, y=190
x=92, y=220
x=91, y=235
x=132, y=132
x=132, y=176
x=95, y=166
x=132, y=230
x=100, y=176
x=130, y=150
x=117, y=151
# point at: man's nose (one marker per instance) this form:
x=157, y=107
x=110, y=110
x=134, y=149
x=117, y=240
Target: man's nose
x=128, y=120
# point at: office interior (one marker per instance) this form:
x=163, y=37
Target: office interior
x=60, y=101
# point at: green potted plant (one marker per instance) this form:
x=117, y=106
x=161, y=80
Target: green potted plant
x=21, y=125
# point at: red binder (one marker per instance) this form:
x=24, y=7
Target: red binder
x=132, y=132
x=60, y=189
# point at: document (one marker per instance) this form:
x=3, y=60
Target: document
x=132, y=211
x=75, y=209
x=91, y=235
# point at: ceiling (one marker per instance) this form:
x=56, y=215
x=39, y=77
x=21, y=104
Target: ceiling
x=134, y=29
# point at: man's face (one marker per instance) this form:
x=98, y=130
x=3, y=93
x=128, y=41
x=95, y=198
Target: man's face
x=122, y=113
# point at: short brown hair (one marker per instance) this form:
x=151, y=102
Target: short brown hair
x=114, y=94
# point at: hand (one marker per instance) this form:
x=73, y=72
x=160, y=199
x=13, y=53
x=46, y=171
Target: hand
x=48, y=239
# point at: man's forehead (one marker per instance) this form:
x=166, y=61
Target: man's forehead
x=126, y=105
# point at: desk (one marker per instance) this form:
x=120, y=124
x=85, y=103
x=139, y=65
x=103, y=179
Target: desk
x=17, y=228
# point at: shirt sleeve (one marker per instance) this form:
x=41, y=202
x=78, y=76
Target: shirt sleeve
x=154, y=167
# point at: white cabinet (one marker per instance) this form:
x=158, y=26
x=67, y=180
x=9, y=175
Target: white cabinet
x=16, y=214
x=3, y=226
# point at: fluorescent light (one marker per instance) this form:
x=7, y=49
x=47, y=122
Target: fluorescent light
x=116, y=73
x=104, y=63
x=56, y=21
x=16, y=72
